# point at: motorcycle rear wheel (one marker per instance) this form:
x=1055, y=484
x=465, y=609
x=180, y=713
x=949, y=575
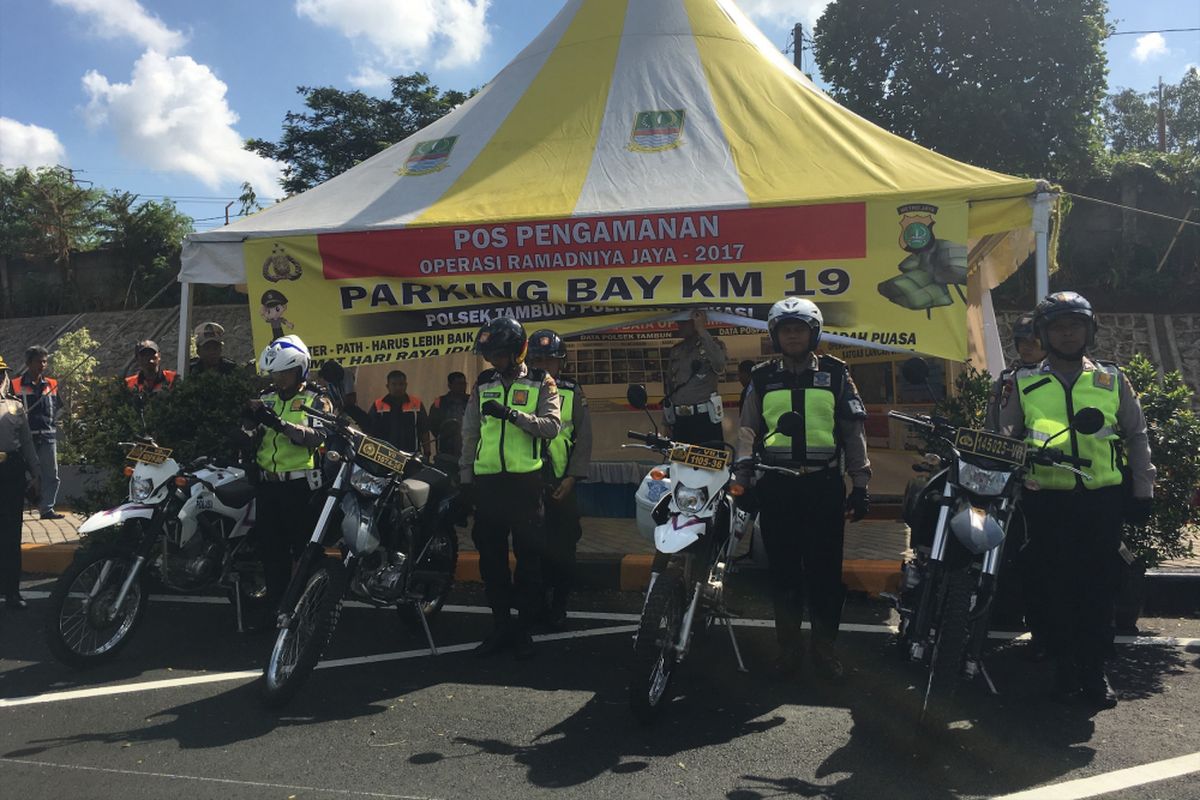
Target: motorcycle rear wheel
x=949, y=648
x=83, y=629
x=298, y=647
x=654, y=653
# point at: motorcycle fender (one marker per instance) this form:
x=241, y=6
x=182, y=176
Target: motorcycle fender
x=115, y=516
x=678, y=533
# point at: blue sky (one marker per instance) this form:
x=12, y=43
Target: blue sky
x=155, y=96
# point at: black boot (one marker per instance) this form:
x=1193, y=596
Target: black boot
x=788, y=664
x=500, y=638
x=1066, y=680
x=14, y=602
x=1097, y=691
x=826, y=661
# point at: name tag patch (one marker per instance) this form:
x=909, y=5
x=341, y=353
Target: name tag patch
x=491, y=395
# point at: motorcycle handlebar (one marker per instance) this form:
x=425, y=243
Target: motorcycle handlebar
x=648, y=438
x=1053, y=455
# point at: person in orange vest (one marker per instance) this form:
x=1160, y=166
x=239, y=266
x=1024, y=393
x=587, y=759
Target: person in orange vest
x=149, y=379
x=39, y=395
x=399, y=417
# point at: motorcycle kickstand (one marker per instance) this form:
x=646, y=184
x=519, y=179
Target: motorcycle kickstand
x=728, y=620
x=425, y=627
x=237, y=602
x=988, y=678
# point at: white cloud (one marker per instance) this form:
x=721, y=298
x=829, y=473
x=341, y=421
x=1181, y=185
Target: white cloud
x=173, y=116
x=784, y=12
x=1152, y=45
x=368, y=77
x=116, y=18
x=30, y=146
x=403, y=34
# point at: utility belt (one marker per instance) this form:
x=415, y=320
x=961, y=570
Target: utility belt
x=713, y=409
x=313, y=476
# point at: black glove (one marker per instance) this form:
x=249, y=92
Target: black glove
x=464, y=502
x=498, y=410
x=858, y=503
x=265, y=415
x=1138, y=509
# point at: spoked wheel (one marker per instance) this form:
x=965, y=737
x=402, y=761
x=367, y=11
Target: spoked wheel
x=949, y=649
x=654, y=654
x=85, y=626
x=431, y=580
x=298, y=647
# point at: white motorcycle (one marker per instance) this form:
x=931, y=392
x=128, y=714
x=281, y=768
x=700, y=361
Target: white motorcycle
x=187, y=526
x=697, y=529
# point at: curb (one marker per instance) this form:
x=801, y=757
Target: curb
x=624, y=572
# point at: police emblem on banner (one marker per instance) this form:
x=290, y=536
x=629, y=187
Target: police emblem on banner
x=916, y=226
x=427, y=157
x=654, y=131
x=280, y=266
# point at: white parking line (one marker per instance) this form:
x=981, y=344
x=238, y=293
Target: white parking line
x=227, y=781
x=1112, y=781
x=249, y=675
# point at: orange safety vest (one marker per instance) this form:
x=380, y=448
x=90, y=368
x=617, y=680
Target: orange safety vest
x=413, y=404
x=134, y=382
x=50, y=382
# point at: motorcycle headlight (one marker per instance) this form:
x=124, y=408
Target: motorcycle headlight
x=690, y=500
x=140, y=488
x=367, y=483
x=982, y=481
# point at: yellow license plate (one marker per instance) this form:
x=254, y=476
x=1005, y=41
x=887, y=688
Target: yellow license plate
x=991, y=445
x=149, y=454
x=383, y=454
x=700, y=457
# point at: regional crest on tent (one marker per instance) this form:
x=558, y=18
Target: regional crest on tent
x=654, y=131
x=429, y=156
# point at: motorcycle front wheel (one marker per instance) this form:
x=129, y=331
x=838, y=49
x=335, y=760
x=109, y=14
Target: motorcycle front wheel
x=85, y=627
x=655, y=649
x=949, y=648
x=298, y=647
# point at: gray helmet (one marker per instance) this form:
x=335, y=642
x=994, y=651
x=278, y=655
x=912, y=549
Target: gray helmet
x=1061, y=304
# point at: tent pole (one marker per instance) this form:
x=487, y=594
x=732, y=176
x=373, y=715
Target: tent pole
x=185, y=314
x=1041, y=232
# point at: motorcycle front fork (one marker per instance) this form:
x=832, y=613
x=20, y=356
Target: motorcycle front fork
x=314, y=550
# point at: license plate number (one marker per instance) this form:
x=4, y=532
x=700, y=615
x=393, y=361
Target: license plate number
x=149, y=454
x=383, y=454
x=700, y=457
x=991, y=445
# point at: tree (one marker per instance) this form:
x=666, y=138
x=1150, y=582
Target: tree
x=340, y=129
x=147, y=237
x=1005, y=84
x=1131, y=117
x=45, y=215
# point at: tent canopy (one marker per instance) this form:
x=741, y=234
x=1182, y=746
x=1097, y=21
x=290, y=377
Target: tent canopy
x=550, y=137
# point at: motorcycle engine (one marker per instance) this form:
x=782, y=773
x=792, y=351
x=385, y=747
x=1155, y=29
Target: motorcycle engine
x=195, y=562
x=387, y=582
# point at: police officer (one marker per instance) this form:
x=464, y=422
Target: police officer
x=1075, y=524
x=692, y=405
x=286, y=457
x=18, y=459
x=803, y=518
x=569, y=455
x=513, y=413
x=210, y=350
x=1029, y=353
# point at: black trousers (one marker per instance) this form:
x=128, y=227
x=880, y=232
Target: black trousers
x=563, y=532
x=12, y=501
x=803, y=526
x=696, y=429
x=1074, y=537
x=510, y=505
x=284, y=519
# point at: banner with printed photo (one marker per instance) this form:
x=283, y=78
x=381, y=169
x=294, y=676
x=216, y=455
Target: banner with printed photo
x=890, y=275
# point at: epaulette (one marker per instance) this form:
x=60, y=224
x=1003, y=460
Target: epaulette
x=487, y=376
x=825, y=358
x=566, y=383
x=765, y=365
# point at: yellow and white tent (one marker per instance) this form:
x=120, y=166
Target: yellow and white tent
x=638, y=157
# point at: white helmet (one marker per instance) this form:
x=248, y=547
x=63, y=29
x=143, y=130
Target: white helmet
x=286, y=352
x=795, y=308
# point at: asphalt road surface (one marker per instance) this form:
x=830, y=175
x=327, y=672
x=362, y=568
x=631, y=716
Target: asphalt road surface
x=177, y=715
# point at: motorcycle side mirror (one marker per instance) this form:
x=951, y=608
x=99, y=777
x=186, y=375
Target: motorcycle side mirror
x=790, y=424
x=915, y=370
x=1088, y=421
x=636, y=395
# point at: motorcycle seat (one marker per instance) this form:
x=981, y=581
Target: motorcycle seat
x=235, y=494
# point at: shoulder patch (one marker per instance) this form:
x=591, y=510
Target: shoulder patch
x=822, y=379
x=1103, y=379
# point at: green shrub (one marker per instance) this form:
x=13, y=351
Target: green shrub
x=1174, y=431
x=72, y=364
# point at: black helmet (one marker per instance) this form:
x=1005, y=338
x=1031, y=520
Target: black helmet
x=545, y=343
x=502, y=335
x=1023, y=328
x=1060, y=304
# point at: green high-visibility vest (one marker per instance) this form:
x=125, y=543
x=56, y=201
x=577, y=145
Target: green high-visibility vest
x=561, y=446
x=1049, y=408
x=812, y=395
x=504, y=447
x=277, y=453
